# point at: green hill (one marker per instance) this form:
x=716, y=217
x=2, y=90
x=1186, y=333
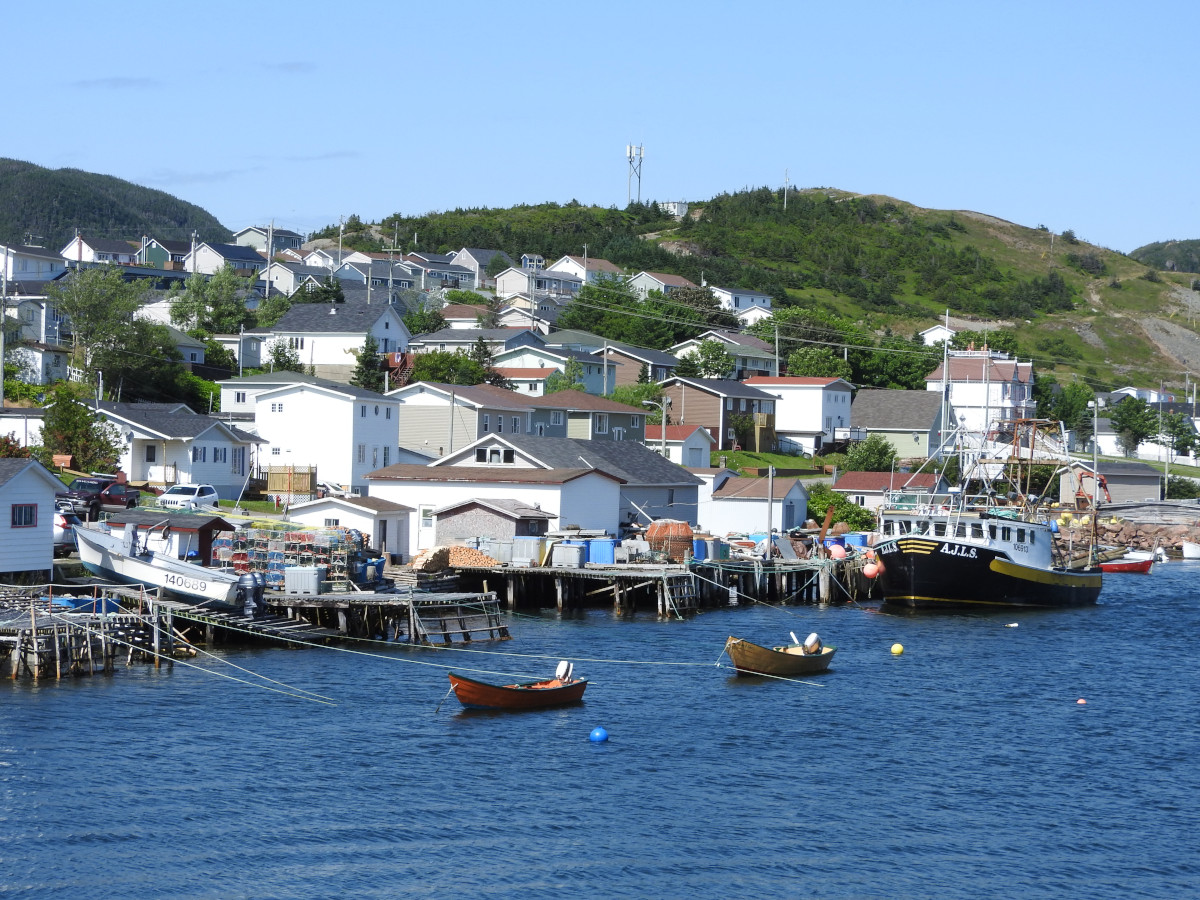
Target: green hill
x=1173, y=256
x=52, y=203
x=872, y=265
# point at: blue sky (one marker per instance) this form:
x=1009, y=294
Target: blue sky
x=1068, y=114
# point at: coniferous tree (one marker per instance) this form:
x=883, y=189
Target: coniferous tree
x=368, y=371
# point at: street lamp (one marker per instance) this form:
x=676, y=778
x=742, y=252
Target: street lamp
x=663, y=405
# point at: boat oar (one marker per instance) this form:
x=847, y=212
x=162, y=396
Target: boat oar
x=443, y=700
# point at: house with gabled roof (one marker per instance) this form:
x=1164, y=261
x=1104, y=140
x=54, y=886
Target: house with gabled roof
x=644, y=282
x=256, y=236
x=871, y=490
x=437, y=419
x=384, y=522
x=598, y=376
x=497, y=339
x=288, y=277
x=576, y=495
x=586, y=269
x=536, y=282
x=99, y=250
x=517, y=317
x=577, y=414
x=23, y=263
x=985, y=387
x=533, y=261
x=809, y=411
x=327, y=336
x=685, y=445
x=477, y=260
x=27, y=490
x=432, y=270
x=461, y=315
x=631, y=361
x=166, y=443
x=210, y=258
x=721, y=406
x=745, y=505
x=914, y=422
x=751, y=355
x=502, y=518
x=739, y=300
x=358, y=429
x=161, y=254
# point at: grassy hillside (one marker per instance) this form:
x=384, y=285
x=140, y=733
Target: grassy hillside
x=52, y=203
x=1175, y=256
x=888, y=266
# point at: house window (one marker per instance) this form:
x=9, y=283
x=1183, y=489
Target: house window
x=199, y=454
x=670, y=496
x=387, y=456
x=516, y=424
x=362, y=411
x=480, y=455
x=635, y=421
x=239, y=461
x=376, y=409
x=426, y=516
x=151, y=453
x=500, y=424
x=296, y=343
x=556, y=417
x=729, y=403
x=387, y=413
x=533, y=385
x=276, y=407
x=192, y=353
x=601, y=423
x=275, y=451
x=24, y=515
x=618, y=434
x=731, y=434
x=239, y=396
x=332, y=523
x=362, y=453
x=220, y=454
x=487, y=421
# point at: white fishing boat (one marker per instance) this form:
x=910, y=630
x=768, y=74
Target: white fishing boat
x=1191, y=550
x=119, y=557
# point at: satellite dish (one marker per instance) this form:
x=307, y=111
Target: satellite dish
x=564, y=670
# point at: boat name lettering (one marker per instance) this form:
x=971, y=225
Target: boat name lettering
x=188, y=584
x=954, y=550
x=889, y=547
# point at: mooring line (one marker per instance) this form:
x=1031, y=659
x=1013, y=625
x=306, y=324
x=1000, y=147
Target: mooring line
x=776, y=677
x=312, y=698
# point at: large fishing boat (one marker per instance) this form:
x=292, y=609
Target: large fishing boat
x=989, y=549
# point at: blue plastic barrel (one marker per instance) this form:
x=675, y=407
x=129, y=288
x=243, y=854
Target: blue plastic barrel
x=700, y=549
x=602, y=550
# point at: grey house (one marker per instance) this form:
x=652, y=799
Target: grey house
x=504, y=519
x=910, y=420
x=575, y=414
x=439, y=419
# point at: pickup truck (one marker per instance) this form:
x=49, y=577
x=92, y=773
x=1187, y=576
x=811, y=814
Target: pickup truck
x=90, y=496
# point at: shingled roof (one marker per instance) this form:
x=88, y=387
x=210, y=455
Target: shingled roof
x=883, y=410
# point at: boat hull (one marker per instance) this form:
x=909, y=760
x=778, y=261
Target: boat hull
x=1130, y=566
x=751, y=659
x=474, y=694
x=102, y=555
x=1190, y=549
x=932, y=573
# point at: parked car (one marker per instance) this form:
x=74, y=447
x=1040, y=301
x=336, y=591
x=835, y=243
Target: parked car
x=64, y=533
x=91, y=495
x=189, y=496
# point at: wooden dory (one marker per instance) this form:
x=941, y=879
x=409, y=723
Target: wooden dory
x=751, y=659
x=1137, y=566
x=531, y=695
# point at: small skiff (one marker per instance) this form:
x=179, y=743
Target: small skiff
x=751, y=659
x=557, y=691
x=1134, y=566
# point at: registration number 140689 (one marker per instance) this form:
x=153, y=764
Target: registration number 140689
x=183, y=583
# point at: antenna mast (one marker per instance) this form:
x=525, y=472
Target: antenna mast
x=635, y=154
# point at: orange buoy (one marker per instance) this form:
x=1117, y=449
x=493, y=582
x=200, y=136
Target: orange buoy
x=870, y=570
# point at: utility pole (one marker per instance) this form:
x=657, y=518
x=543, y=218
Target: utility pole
x=341, y=231
x=785, y=189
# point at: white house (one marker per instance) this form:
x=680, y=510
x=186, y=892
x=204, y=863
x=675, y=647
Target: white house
x=985, y=387
x=686, y=445
x=746, y=505
x=384, y=522
x=586, y=268
x=343, y=431
x=738, y=300
x=644, y=282
x=99, y=250
x=327, y=336
x=27, y=492
x=22, y=424
x=20, y=262
x=247, y=347
x=808, y=410
x=753, y=316
x=936, y=335
x=538, y=282
x=597, y=374
x=580, y=495
x=208, y=259
x=166, y=443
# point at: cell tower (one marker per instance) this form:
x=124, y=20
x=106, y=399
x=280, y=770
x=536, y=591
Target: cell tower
x=635, y=155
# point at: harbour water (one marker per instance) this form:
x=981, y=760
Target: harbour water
x=965, y=767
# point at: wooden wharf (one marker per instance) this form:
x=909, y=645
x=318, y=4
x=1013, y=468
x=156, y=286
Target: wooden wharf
x=675, y=589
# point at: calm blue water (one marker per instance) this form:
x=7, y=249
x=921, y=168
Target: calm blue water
x=964, y=768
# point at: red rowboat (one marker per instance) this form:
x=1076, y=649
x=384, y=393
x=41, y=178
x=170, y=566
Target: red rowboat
x=1137, y=566
x=557, y=691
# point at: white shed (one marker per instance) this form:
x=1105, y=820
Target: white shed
x=27, y=490
x=383, y=521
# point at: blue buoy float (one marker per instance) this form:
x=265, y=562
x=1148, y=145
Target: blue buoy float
x=598, y=735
